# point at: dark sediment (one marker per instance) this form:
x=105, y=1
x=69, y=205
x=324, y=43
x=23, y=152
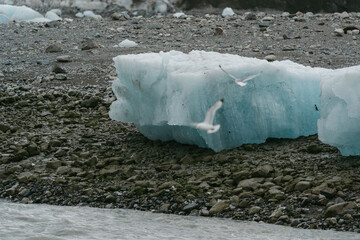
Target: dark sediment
x=284, y=5
x=58, y=145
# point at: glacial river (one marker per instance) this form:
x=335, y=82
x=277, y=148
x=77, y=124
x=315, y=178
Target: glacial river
x=44, y=222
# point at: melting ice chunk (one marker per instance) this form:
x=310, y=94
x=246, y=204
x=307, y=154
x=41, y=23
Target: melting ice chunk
x=339, y=124
x=162, y=92
x=20, y=13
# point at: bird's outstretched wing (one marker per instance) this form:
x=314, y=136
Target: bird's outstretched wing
x=209, y=117
x=230, y=75
x=241, y=82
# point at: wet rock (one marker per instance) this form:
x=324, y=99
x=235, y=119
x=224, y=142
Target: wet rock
x=110, y=198
x=218, y=31
x=339, y=32
x=275, y=214
x=64, y=58
x=220, y=206
x=324, y=190
x=263, y=171
x=26, y=177
x=4, y=128
x=91, y=102
x=314, y=149
x=339, y=209
x=250, y=16
x=19, y=155
x=32, y=149
x=63, y=170
x=88, y=44
x=241, y=175
x=164, y=208
x=169, y=185
x=243, y=203
x=109, y=170
x=189, y=207
x=270, y=58
x=54, y=48
x=53, y=164
x=302, y=185
x=60, y=76
x=120, y=16
x=254, y=210
x=251, y=183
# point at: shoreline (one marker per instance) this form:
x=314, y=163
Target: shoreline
x=59, y=146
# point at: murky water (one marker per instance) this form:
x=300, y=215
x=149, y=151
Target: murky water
x=40, y=222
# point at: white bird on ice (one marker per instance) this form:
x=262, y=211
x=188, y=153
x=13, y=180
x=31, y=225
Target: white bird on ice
x=241, y=82
x=207, y=124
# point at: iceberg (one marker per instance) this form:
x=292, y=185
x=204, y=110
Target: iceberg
x=339, y=123
x=19, y=14
x=162, y=93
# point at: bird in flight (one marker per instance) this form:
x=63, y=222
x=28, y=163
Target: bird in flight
x=207, y=124
x=241, y=82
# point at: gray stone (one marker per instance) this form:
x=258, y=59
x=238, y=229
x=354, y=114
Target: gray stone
x=324, y=190
x=88, y=44
x=241, y=175
x=270, y=58
x=189, y=207
x=32, y=149
x=91, y=102
x=339, y=209
x=63, y=170
x=254, y=210
x=263, y=171
x=53, y=164
x=276, y=214
x=250, y=16
x=4, y=128
x=302, y=185
x=64, y=58
x=220, y=206
x=54, y=48
x=251, y=183
x=26, y=177
x=169, y=185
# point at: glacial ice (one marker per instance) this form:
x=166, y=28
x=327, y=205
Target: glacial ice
x=339, y=123
x=162, y=93
x=19, y=14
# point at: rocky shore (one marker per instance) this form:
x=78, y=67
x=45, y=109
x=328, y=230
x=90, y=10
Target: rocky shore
x=58, y=145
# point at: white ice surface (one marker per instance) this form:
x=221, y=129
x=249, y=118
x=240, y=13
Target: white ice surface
x=339, y=124
x=19, y=14
x=127, y=44
x=162, y=93
x=227, y=12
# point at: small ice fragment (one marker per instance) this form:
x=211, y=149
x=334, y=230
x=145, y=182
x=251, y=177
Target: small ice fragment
x=227, y=12
x=127, y=44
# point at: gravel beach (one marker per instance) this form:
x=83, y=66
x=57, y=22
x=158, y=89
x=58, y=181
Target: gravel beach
x=59, y=146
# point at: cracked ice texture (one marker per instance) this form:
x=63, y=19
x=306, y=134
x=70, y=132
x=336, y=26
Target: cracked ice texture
x=161, y=93
x=339, y=124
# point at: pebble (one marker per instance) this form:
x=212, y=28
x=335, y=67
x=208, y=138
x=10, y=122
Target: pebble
x=64, y=58
x=339, y=32
x=54, y=48
x=270, y=58
x=250, y=16
x=88, y=44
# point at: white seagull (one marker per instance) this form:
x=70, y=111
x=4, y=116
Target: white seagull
x=207, y=124
x=241, y=82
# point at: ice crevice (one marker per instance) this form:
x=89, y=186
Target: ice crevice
x=162, y=93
